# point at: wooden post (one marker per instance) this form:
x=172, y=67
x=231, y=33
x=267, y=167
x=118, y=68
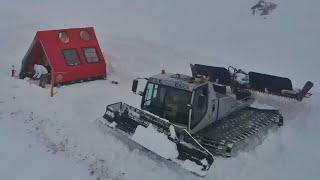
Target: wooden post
x=56, y=77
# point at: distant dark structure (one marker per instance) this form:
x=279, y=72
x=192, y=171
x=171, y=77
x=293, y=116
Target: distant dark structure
x=263, y=7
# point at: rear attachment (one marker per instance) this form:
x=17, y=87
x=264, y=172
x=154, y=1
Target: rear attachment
x=159, y=136
x=253, y=81
x=277, y=86
x=238, y=130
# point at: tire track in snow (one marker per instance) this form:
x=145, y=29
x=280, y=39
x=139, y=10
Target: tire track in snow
x=58, y=143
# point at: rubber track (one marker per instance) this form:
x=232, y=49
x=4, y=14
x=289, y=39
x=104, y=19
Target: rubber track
x=222, y=137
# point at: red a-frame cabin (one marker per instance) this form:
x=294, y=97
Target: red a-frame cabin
x=70, y=55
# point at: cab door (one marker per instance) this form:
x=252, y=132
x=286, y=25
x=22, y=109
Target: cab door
x=205, y=107
x=199, y=105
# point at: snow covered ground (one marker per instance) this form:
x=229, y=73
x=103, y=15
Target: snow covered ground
x=56, y=138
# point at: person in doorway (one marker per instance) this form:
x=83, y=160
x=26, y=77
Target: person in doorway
x=39, y=70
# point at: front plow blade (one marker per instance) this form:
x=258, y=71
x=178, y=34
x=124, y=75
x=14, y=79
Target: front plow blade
x=159, y=136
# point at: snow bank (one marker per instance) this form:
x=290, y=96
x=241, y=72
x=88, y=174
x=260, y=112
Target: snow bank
x=155, y=141
x=24, y=158
x=193, y=167
x=139, y=39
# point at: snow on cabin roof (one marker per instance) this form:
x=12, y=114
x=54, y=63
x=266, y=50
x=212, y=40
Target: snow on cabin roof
x=179, y=81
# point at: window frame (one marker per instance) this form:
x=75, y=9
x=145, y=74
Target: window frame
x=84, y=54
x=82, y=37
x=65, y=59
x=68, y=39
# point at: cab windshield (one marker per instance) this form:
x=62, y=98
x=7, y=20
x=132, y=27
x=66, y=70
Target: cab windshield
x=167, y=102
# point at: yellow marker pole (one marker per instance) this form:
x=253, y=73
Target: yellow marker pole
x=52, y=83
x=55, y=77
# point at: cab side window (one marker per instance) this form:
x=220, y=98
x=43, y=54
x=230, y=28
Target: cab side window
x=150, y=94
x=154, y=98
x=200, y=105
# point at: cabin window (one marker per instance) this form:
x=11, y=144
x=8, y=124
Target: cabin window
x=91, y=54
x=64, y=37
x=84, y=35
x=71, y=57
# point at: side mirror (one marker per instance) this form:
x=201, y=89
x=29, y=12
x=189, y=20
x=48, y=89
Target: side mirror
x=134, y=85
